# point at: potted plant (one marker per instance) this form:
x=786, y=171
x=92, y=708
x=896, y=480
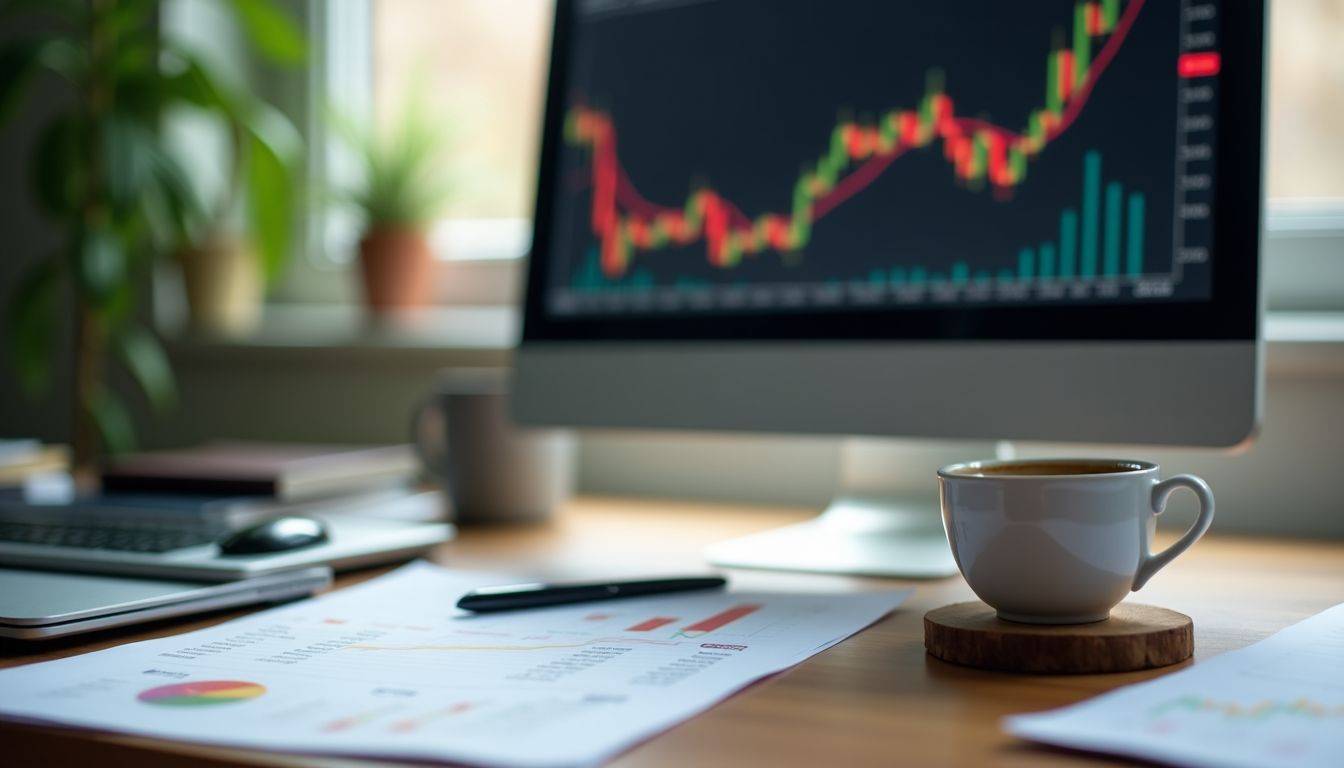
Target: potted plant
x=103, y=174
x=402, y=189
x=230, y=255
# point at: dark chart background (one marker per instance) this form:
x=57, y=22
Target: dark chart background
x=743, y=96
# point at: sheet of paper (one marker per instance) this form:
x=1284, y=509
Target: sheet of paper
x=1279, y=702
x=390, y=668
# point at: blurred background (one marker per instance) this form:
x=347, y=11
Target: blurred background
x=340, y=210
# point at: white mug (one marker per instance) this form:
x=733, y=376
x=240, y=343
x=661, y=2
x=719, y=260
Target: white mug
x=1060, y=541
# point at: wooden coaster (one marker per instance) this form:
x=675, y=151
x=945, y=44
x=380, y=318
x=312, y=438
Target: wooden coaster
x=1135, y=637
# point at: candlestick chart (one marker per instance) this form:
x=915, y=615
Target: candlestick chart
x=1005, y=154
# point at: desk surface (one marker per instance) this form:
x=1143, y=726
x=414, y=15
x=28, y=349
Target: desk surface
x=876, y=699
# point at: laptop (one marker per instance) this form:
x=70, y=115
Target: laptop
x=174, y=539
x=36, y=605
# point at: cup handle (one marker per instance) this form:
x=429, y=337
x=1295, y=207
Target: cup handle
x=1153, y=563
x=430, y=457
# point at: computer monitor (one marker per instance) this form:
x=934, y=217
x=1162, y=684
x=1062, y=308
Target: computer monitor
x=970, y=219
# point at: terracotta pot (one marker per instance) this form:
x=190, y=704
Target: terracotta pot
x=224, y=286
x=396, y=265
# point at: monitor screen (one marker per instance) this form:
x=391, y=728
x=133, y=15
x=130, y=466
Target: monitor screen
x=791, y=169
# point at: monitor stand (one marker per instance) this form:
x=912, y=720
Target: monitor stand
x=899, y=536
x=868, y=529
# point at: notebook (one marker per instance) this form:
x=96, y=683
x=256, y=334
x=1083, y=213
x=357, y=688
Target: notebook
x=284, y=471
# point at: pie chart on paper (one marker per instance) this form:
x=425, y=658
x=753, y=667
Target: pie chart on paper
x=201, y=693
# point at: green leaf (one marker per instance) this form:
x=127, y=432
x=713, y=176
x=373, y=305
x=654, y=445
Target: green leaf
x=60, y=170
x=33, y=311
x=404, y=180
x=100, y=264
x=120, y=305
x=273, y=150
x=128, y=19
x=183, y=204
x=270, y=205
x=148, y=364
x=135, y=59
x=272, y=31
x=128, y=154
x=170, y=205
x=20, y=60
x=113, y=420
x=190, y=80
x=64, y=57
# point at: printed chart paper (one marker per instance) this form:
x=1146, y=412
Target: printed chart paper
x=1279, y=702
x=390, y=668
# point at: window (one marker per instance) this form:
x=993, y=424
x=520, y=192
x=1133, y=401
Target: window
x=485, y=62
x=1304, y=250
x=480, y=67
x=1306, y=101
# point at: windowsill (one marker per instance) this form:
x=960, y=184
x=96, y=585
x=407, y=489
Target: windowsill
x=336, y=327
x=1305, y=327
x=463, y=335
x=1305, y=344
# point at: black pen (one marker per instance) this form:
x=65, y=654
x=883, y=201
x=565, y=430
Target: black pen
x=516, y=596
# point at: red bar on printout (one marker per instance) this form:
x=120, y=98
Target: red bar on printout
x=723, y=618
x=652, y=624
x=1202, y=64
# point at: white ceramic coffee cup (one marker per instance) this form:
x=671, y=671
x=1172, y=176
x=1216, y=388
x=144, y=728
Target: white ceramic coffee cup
x=1045, y=547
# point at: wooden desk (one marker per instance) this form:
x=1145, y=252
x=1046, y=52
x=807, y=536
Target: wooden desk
x=875, y=699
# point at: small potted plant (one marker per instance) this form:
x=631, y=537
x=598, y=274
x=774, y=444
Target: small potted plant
x=239, y=243
x=402, y=190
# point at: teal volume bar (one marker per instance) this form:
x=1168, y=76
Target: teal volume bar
x=590, y=277
x=960, y=273
x=1091, y=246
x=1025, y=264
x=1134, y=260
x=1091, y=213
x=1068, y=243
x=1110, y=263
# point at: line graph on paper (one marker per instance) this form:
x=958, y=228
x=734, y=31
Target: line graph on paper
x=390, y=668
x=1279, y=702
x=1278, y=729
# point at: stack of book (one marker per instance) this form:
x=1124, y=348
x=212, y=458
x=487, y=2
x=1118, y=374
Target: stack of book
x=235, y=483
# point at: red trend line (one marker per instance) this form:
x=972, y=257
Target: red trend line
x=855, y=182
x=728, y=231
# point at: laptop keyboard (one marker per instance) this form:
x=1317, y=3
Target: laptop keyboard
x=126, y=536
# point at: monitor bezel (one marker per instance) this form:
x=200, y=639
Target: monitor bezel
x=1231, y=313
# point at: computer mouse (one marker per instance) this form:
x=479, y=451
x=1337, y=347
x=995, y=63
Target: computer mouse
x=280, y=534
